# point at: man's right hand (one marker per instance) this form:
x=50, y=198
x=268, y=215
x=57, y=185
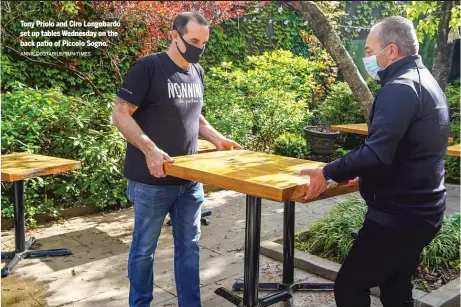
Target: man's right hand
x=154, y=160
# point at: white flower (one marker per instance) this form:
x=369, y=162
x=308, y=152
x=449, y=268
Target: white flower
x=286, y=22
x=270, y=21
x=254, y=19
x=257, y=10
x=280, y=9
x=305, y=23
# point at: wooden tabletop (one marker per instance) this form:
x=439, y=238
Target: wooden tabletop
x=454, y=150
x=205, y=146
x=19, y=166
x=360, y=129
x=264, y=175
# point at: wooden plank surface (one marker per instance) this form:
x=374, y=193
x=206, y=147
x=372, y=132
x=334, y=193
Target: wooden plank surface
x=352, y=128
x=205, y=146
x=360, y=129
x=264, y=175
x=454, y=150
x=19, y=166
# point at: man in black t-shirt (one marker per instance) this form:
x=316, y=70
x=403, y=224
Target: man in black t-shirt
x=158, y=110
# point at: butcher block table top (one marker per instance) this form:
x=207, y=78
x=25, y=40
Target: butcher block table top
x=360, y=129
x=253, y=173
x=20, y=166
x=454, y=150
x=205, y=146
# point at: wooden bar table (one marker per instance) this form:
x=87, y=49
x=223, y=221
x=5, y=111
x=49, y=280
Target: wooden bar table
x=16, y=168
x=360, y=129
x=202, y=147
x=259, y=176
x=454, y=150
x=205, y=146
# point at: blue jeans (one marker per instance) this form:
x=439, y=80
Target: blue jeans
x=151, y=205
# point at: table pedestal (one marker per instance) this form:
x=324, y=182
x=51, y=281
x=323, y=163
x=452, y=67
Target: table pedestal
x=21, y=245
x=251, y=284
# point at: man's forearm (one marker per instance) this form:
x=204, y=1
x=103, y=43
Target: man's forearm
x=132, y=132
x=207, y=132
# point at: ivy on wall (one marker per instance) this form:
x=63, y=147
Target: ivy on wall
x=265, y=28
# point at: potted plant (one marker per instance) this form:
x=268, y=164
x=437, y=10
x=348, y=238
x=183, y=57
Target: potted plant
x=320, y=136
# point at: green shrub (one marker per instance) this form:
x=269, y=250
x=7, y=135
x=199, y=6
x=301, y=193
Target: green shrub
x=291, y=145
x=101, y=72
x=331, y=236
x=452, y=164
x=339, y=107
x=257, y=104
x=373, y=85
x=444, y=249
x=49, y=123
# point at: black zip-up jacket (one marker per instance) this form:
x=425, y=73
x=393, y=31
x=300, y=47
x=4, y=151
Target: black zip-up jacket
x=401, y=165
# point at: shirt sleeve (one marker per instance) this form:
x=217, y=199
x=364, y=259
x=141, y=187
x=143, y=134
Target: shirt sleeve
x=394, y=110
x=136, y=84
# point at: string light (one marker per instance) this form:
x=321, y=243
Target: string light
x=273, y=21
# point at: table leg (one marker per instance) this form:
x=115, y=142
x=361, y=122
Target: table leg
x=288, y=287
x=288, y=242
x=19, y=217
x=21, y=245
x=252, y=242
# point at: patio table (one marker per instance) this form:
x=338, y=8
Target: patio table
x=16, y=168
x=454, y=150
x=360, y=129
x=205, y=146
x=258, y=175
x=363, y=129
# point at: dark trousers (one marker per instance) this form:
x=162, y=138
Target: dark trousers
x=382, y=256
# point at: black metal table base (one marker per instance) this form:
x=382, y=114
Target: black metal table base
x=22, y=246
x=250, y=286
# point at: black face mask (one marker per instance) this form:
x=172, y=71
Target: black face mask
x=192, y=54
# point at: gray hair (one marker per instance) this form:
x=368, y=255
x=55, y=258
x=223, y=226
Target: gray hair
x=399, y=31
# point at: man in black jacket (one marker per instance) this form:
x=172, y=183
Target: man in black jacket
x=400, y=171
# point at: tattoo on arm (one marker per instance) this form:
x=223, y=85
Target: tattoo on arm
x=121, y=101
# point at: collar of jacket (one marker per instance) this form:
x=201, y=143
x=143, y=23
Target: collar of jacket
x=399, y=67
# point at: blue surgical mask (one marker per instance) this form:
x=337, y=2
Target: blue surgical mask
x=371, y=65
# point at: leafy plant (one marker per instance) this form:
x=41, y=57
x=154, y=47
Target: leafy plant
x=339, y=107
x=331, y=236
x=445, y=246
x=291, y=145
x=426, y=16
x=257, y=104
x=452, y=164
x=263, y=28
x=143, y=29
x=50, y=123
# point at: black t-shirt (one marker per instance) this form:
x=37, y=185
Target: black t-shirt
x=169, y=100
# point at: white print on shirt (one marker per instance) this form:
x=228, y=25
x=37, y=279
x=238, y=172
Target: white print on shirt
x=127, y=90
x=184, y=90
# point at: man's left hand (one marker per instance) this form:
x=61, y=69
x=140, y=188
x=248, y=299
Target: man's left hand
x=317, y=184
x=226, y=144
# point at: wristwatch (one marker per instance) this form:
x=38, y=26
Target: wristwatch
x=330, y=182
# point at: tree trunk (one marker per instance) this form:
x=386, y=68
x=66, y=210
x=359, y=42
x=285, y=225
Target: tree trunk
x=330, y=40
x=443, y=50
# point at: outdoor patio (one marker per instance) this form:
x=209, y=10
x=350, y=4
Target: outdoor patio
x=96, y=273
